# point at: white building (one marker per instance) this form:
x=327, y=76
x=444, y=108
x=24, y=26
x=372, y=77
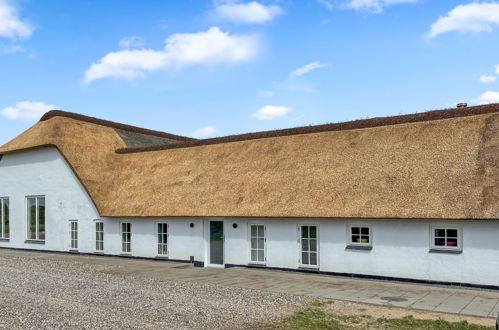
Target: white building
x=407, y=197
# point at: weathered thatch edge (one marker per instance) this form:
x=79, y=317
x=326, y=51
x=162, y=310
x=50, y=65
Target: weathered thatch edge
x=356, y=124
x=101, y=122
x=42, y=146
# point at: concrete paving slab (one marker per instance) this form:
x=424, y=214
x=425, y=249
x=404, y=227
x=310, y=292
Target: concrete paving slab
x=455, y=303
x=480, y=306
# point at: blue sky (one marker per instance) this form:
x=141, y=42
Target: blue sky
x=212, y=68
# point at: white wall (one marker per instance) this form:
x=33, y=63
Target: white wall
x=400, y=247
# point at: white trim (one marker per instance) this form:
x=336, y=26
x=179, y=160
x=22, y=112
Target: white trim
x=299, y=229
x=156, y=223
x=37, y=216
x=121, y=237
x=264, y=262
x=360, y=225
x=71, y=240
x=96, y=221
x=459, y=246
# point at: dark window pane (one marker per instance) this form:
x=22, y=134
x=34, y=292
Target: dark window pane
x=355, y=230
x=452, y=242
x=31, y=202
x=6, y=218
x=439, y=232
x=41, y=218
x=254, y=231
x=254, y=243
x=364, y=239
x=260, y=243
x=304, y=258
x=313, y=232
x=355, y=239
x=261, y=256
x=451, y=232
x=304, y=244
x=439, y=241
x=304, y=232
x=313, y=245
x=364, y=231
x=261, y=231
x=254, y=255
x=313, y=258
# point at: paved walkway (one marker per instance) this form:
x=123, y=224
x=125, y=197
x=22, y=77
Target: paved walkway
x=463, y=301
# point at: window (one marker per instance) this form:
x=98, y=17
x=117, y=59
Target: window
x=4, y=218
x=126, y=237
x=359, y=235
x=309, y=249
x=36, y=218
x=74, y=234
x=257, y=241
x=99, y=236
x=162, y=239
x=446, y=238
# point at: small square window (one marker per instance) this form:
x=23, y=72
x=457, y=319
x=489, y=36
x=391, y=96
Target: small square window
x=359, y=236
x=446, y=238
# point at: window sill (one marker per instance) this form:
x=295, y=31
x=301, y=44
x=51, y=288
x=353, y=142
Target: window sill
x=4, y=240
x=445, y=251
x=31, y=241
x=99, y=252
x=359, y=247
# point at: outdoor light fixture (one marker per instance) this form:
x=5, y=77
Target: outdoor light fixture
x=234, y=225
x=191, y=225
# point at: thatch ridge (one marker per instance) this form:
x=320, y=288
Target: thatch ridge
x=355, y=124
x=97, y=121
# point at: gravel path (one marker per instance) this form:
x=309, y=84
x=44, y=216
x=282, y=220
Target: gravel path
x=59, y=292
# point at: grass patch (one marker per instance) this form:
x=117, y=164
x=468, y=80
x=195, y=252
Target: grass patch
x=315, y=318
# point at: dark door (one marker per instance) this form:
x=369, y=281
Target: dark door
x=216, y=242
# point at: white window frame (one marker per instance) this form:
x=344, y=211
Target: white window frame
x=457, y=248
x=73, y=235
x=250, y=261
x=2, y=218
x=360, y=226
x=37, y=239
x=302, y=265
x=167, y=239
x=121, y=237
x=96, y=241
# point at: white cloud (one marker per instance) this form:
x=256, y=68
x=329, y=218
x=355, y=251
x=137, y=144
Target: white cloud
x=487, y=98
x=11, y=49
x=11, y=26
x=183, y=49
x=131, y=42
x=266, y=93
x=270, y=112
x=474, y=17
x=326, y=3
x=26, y=110
x=497, y=69
x=246, y=13
x=306, y=69
x=375, y=6
x=487, y=79
x=204, y=132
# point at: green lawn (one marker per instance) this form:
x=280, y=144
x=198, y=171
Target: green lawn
x=316, y=318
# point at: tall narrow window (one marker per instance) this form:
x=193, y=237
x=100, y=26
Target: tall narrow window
x=36, y=218
x=74, y=234
x=99, y=236
x=4, y=218
x=257, y=241
x=309, y=246
x=162, y=239
x=126, y=237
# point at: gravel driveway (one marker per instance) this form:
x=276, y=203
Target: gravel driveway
x=42, y=290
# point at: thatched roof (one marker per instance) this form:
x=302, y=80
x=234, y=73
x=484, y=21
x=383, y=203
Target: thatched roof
x=437, y=165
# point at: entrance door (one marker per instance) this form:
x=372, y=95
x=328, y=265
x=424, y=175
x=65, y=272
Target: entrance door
x=216, y=242
x=309, y=246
